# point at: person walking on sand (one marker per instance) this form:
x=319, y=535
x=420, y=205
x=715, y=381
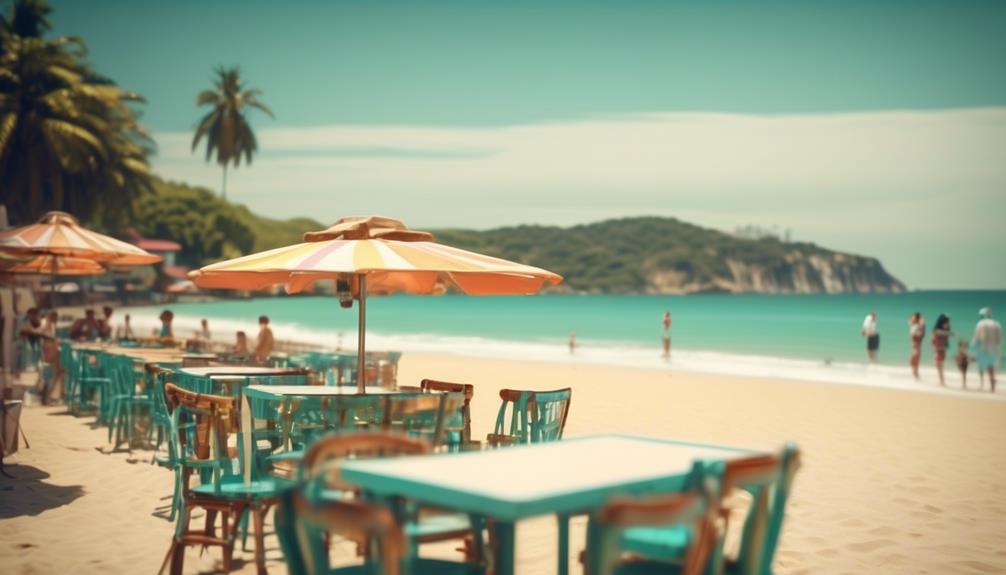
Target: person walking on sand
x=264, y=343
x=941, y=340
x=667, y=335
x=871, y=335
x=916, y=332
x=987, y=343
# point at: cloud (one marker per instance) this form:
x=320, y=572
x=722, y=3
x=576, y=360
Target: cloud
x=853, y=181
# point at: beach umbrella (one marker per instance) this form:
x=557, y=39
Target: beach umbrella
x=60, y=234
x=57, y=265
x=375, y=255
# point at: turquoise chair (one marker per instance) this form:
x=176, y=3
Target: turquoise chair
x=530, y=416
x=124, y=401
x=692, y=512
x=458, y=426
x=201, y=425
x=769, y=479
x=323, y=506
x=89, y=385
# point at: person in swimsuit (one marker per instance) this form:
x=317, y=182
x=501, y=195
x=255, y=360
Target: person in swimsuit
x=872, y=337
x=667, y=335
x=987, y=343
x=941, y=340
x=916, y=332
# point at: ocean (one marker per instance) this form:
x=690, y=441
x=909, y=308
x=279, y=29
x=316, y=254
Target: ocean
x=808, y=337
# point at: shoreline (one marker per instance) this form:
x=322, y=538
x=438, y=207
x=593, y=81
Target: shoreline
x=885, y=376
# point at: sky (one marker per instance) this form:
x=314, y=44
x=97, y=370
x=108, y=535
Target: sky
x=874, y=127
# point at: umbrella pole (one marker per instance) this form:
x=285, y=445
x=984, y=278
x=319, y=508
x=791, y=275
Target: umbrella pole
x=52, y=285
x=361, y=344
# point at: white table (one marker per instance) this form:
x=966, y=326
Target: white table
x=563, y=477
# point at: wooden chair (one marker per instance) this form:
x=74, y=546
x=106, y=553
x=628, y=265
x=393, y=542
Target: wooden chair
x=768, y=478
x=535, y=416
x=201, y=425
x=694, y=512
x=319, y=472
x=460, y=433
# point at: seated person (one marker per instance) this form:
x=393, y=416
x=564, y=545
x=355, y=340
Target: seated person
x=86, y=327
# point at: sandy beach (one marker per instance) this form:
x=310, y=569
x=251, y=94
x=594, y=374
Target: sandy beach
x=893, y=481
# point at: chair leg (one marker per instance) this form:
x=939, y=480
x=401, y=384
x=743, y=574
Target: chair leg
x=258, y=513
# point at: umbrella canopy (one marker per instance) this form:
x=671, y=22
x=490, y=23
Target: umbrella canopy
x=60, y=234
x=379, y=255
x=57, y=265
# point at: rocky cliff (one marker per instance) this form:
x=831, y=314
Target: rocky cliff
x=668, y=256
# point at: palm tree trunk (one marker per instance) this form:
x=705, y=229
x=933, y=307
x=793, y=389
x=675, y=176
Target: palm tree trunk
x=224, y=192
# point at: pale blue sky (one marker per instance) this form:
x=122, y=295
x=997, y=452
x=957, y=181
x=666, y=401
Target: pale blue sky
x=488, y=113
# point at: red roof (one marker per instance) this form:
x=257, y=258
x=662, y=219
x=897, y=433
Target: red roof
x=177, y=272
x=152, y=245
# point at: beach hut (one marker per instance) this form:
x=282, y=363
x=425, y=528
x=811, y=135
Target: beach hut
x=375, y=255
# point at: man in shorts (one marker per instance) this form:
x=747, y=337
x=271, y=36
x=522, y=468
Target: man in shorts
x=987, y=344
x=871, y=335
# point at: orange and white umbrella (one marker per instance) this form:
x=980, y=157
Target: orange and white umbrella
x=60, y=234
x=57, y=266
x=377, y=255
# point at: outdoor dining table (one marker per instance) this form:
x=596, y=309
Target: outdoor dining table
x=564, y=478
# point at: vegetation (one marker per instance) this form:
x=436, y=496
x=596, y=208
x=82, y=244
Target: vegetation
x=210, y=228
x=649, y=254
x=225, y=127
x=69, y=138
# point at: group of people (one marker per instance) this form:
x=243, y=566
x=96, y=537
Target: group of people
x=264, y=343
x=984, y=347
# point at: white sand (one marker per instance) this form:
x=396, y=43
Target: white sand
x=893, y=481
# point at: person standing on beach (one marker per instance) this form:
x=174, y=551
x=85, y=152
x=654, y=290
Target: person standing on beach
x=871, y=335
x=264, y=343
x=917, y=332
x=166, y=317
x=987, y=343
x=105, y=323
x=667, y=335
x=204, y=332
x=572, y=342
x=963, y=361
x=941, y=340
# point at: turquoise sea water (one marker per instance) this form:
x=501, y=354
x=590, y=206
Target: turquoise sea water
x=805, y=327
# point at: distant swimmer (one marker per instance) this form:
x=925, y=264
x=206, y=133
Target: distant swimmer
x=872, y=337
x=917, y=333
x=941, y=340
x=987, y=343
x=666, y=340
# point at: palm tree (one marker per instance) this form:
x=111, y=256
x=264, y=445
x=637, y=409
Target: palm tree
x=225, y=127
x=68, y=137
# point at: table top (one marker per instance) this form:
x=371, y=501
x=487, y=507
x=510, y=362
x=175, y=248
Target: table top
x=281, y=391
x=243, y=370
x=523, y=481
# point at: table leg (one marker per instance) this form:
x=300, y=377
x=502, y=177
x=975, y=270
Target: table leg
x=563, y=520
x=505, y=555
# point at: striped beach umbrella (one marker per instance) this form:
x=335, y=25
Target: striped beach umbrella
x=57, y=265
x=375, y=255
x=60, y=234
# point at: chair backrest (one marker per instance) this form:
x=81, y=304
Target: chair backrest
x=423, y=415
x=468, y=390
x=696, y=509
x=769, y=479
x=534, y=416
x=201, y=425
x=320, y=464
x=363, y=523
